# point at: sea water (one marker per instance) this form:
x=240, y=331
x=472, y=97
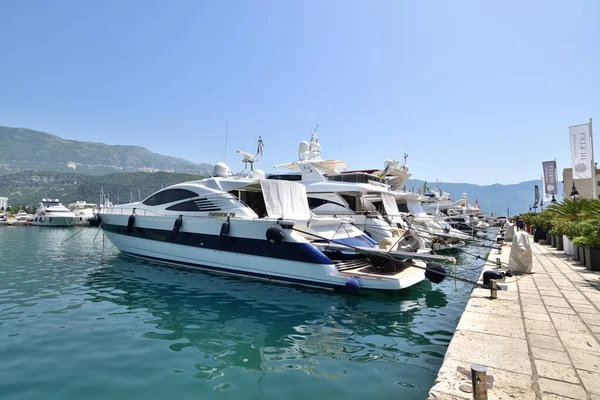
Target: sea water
x=79, y=320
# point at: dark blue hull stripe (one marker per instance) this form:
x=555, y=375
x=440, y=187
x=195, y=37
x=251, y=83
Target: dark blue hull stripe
x=355, y=241
x=236, y=272
x=303, y=252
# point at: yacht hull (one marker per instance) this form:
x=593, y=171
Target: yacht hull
x=53, y=221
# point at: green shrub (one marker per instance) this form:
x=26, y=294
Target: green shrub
x=572, y=229
x=559, y=227
x=588, y=235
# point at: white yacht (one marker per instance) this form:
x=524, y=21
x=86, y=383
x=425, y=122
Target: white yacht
x=432, y=227
x=85, y=213
x=262, y=229
x=22, y=216
x=357, y=196
x=52, y=213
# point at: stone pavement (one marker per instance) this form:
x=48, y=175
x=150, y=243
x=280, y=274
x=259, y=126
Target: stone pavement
x=540, y=339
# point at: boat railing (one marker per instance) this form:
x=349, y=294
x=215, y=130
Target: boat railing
x=129, y=211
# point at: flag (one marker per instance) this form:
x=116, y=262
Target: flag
x=581, y=151
x=477, y=204
x=546, y=196
x=425, y=187
x=385, y=171
x=549, y=180
x=537, y=195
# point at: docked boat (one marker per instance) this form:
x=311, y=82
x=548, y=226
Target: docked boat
x=259, y=228
x=52, y=213
x=358, y=196
x=85, y=213
x=22, y=216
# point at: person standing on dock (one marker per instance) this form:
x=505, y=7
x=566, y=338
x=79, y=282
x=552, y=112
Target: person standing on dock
x=520, y=224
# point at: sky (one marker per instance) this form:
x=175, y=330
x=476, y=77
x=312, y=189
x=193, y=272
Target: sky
x=473, y=91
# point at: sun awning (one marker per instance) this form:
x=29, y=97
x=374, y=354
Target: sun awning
x=285, y=199
x=389, y=204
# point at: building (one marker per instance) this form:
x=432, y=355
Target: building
x=3, y=203
x=583, y=186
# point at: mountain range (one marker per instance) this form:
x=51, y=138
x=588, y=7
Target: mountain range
x=30, y=187
x=496, y=198
x=34, y=165
x=25, y=149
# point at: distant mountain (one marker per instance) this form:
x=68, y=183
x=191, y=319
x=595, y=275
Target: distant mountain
x=28, y=188
x=495, y=198
x=25, y=149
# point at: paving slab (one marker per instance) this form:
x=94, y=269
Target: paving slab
x=539, y=353
x=582, y=341
x=561, y=310
x=585, y=359
x=591, y=381
x=556, y=371
x=501, y=325
x=569, y=390
x=569, y=323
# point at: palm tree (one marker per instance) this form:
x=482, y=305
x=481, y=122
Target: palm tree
x=574, y=210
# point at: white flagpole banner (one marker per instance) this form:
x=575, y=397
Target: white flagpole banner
x=546, y=196
x=549, y=182
x=581, y=157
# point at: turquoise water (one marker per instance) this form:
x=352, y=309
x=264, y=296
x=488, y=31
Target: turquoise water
x=79, y=320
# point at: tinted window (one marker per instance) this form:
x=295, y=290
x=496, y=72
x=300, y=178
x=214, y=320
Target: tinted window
x=314, y=203
x=194, y=205
x=169, y=196
x=403, y=207
x=286, y=177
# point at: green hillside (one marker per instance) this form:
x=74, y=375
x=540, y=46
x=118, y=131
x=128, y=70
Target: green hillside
x=25, y=149
x=28, y=188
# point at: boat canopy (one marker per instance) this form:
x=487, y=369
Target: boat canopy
x=415, y=208
x=285, y=199
x=389, y=204
x=329, y=167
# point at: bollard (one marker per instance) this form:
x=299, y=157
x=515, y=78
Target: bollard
x=494, y=289
x=479, y=381
x=498, y=261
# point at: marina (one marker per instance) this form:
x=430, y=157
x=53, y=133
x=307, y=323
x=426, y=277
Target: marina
x=76, y=313
x=299, y=200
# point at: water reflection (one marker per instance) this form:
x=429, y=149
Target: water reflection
x=267, y=327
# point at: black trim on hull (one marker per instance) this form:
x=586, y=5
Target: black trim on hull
x=302, y=252
x=228, y=271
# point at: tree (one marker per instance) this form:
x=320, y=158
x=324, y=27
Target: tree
x=572, y=210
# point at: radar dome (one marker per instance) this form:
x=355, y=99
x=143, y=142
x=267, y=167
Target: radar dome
x=303, y=146
x=221, y=170
x=258, y=174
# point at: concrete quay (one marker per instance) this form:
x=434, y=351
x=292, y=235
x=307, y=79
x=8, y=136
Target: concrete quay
x=12, y=222
x=540, y=339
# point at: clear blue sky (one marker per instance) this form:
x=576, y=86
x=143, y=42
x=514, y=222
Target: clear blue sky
x=473, y=91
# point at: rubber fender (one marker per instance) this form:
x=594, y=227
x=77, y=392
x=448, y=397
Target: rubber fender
x=275, y=234
x=225, y=228
x=435, y=272
x=130, y=223
x=352, y=285
x=176, y=227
